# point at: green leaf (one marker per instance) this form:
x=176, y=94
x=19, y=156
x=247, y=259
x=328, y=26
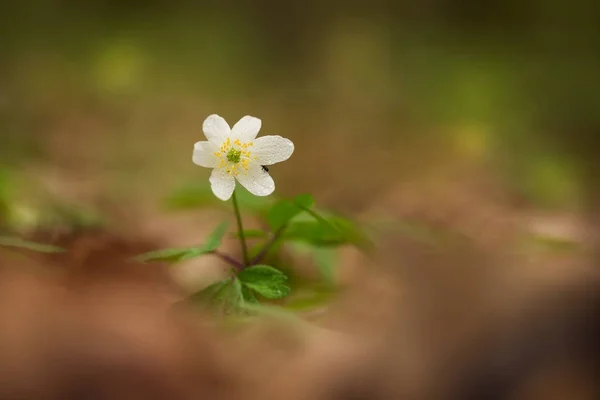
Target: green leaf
x=6, y=195
x=225, y=296
x=211, y=292
x=213, y=241
x=327, y=230
x=172, y=254
x=325, y=258
x=266, y=281
x=237, y=295
x=351, y=232
x=551, y=244
x=73, y=216
x=285, y=210
x=304, y=201
x=281, y=213
x=249, y=297
x=200, y=195
x=24, y=244
x=310, y=299
x=278, y=313
x=314, y=232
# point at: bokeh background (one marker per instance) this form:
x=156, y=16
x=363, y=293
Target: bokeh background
x=106, y=98
x=480, y=117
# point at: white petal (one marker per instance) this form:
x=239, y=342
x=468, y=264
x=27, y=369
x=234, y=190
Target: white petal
x=246, y=128
x=204, y=155
x=272, y=149
x=257, y=181
x=222, y=184
x=215, y=128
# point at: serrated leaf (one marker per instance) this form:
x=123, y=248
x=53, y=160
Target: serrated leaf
x=267, y=281
x=24, y=244
x=213, y=241
x=225, y=296
x=210, y=292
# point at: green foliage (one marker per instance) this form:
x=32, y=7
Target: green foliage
x=213, y=241
x=248, y=296
x=314, y=227
x=6, y=193
x=283, y=211
x=327, y=233
x=267, y=281
x=236, y=292
x=211, y=292
x=276, y=312
x=295, y=222
x=311, y=297
x=199, y=195
x=72, y=216
x=350, y=232
x=324, y=258
x=224, y=296
x=228, y=296
x=19, y=243
x=551, y=244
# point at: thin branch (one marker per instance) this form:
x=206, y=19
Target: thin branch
x=263, y=252
x=227, y=258
x=238, y=217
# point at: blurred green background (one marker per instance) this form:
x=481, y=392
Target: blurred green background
x=106, y=98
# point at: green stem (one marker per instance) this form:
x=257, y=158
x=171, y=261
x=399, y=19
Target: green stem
x=270, y=243
x=238, y=217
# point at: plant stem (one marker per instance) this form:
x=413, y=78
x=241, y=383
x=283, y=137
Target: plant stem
x=238, y=217
x=227, y=258
x=277, y=235
x=265, y=250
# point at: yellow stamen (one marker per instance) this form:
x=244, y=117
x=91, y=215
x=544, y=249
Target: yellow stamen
x=235, y=157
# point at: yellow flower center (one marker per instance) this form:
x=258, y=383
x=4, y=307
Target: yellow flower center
x=235, y=156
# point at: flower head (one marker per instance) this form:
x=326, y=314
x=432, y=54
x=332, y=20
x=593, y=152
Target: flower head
x=236, y=153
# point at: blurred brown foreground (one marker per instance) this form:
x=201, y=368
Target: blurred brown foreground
x=461, y=321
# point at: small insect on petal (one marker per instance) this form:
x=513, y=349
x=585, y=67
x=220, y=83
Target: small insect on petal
x=265, y=168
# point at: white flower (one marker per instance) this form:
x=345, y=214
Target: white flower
x=236, y=153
